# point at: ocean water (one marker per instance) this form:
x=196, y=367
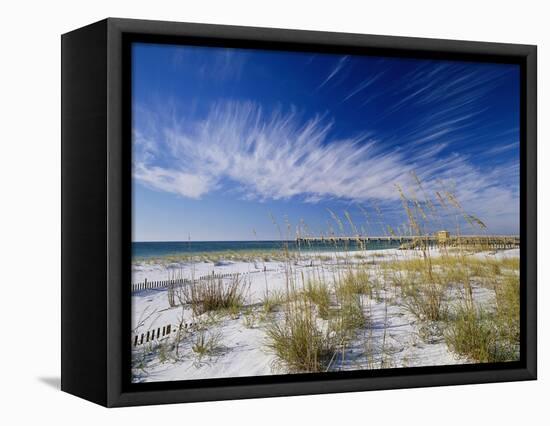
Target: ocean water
x=158, y=249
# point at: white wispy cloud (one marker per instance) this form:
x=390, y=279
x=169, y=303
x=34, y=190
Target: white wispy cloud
x=502, y=148
x=363, y=85
x=337, y=68
x=274, y=156
x=268, y=156
x=191, y=185
x=447, y=87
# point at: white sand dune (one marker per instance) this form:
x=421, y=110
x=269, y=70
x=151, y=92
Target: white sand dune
x=394, y=334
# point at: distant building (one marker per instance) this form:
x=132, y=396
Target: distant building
x=442, y=236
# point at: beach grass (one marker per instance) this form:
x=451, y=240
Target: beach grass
x=272, y=301
x=205, y=342
x=216, y=294
x=477, y=333
x=318, y=293
x=298, y=341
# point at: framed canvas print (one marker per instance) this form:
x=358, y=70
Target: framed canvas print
x=251, y=212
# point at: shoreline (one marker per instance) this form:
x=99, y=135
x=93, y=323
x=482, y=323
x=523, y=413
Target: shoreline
x=162, y=269
x=251, y=254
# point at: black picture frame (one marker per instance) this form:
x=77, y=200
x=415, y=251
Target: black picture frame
x=96, y=209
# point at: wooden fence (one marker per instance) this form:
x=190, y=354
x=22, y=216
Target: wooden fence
x=159, y=333
x=150, y=285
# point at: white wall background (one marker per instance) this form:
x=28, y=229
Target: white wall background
x=30, y=210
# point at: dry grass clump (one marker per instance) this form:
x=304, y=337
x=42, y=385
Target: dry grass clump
x=422, y=292
x=354, y=282
x=216, y=294
x=348, y=290
x=318, y=293
x=470, y=333
x=272, y=301
x=349, y=316
x=475, y=333
x=298, y=341
x=486, y=335
x=206, y=342
x=508, y=308
x=165, y=349
x=425, y=300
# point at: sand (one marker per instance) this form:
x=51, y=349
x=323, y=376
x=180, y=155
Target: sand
x=395, y=337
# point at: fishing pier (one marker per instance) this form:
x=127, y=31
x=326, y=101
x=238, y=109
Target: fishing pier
x=438, y=239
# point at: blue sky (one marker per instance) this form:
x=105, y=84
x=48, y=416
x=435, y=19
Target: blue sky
x=225, y=140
